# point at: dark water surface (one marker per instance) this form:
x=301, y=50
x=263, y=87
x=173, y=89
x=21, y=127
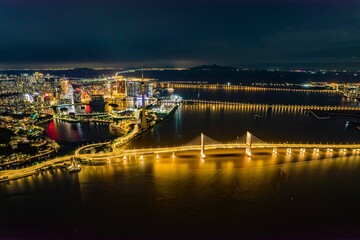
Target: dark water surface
x=227, y=195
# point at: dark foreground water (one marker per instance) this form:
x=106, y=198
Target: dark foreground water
x=225, y=196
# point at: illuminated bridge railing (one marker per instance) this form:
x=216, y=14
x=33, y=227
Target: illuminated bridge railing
x=144, y=151
x=245, y=88
x=305, y=107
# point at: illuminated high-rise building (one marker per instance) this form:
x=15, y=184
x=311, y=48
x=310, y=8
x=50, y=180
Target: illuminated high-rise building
x=65, y=85
x=120, y=85
x=37, y=77
x=134, y=88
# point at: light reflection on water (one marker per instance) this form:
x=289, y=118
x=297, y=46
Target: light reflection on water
x=145, y=196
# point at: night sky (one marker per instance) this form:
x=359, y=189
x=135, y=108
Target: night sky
x=164, y=33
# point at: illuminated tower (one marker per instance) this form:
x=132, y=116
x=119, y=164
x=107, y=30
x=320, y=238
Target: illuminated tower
x=143, y=117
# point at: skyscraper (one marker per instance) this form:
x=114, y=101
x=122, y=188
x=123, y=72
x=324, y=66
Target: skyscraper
x=64, y=85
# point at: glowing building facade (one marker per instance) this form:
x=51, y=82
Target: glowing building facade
x=131, y=87
x=65, y=86
x=120, y=86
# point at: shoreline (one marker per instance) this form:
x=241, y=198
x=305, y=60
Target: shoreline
x=327, y=114
x=57, y=161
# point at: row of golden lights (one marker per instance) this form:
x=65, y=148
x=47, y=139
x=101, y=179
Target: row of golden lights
x=316, y=150
x=254, y=108
x=251, y=105
x=249, y=88
x=248, y=153
x=246, y=108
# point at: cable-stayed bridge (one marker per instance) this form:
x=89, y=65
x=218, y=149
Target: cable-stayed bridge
x=246, y=142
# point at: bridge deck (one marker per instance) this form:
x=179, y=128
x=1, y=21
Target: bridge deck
x=121, y=153
x=305, y=107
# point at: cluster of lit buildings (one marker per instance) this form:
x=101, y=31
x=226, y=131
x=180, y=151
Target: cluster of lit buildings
x=23, y=92
x=100, y=91
x=351, y=91
x=20, y=92
x=131, y=87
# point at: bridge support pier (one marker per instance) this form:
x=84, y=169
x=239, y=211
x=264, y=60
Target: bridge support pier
x=248, y=151
x=202, y=152
x=248, y=142
x=288, y=151
x=274, y=151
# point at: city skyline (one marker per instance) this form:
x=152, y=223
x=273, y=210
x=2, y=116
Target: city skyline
x=40, y=34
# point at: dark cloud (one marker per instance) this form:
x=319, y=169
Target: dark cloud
x=174, y=32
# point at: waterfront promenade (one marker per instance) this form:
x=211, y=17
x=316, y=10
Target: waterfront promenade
x=28, y=171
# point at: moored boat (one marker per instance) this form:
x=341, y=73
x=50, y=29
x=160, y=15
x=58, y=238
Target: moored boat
x=74, y=167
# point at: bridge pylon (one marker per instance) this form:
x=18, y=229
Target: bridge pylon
x=202, y=152
x=248, y=143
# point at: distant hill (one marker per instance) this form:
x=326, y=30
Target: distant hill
x=81, y=72
x=211, y=74
x=214, y=68
x=74, y=72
